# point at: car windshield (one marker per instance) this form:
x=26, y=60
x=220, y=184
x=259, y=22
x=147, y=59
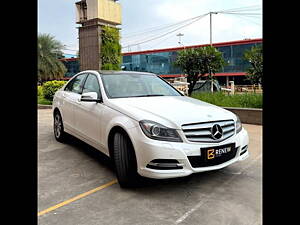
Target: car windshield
x=136, y=85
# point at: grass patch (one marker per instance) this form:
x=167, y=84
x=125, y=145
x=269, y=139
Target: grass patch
x=222, y=99
x=43, y=101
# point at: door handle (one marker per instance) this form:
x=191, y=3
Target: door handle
x=78, y=102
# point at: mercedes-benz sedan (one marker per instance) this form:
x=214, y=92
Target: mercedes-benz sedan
x=146, y=126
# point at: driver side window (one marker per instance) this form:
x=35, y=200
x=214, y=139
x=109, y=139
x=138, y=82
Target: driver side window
x=92, y=85
x=76, y=84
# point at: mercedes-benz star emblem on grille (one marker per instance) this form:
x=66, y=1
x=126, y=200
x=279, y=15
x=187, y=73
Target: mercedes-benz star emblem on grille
x=216, y=131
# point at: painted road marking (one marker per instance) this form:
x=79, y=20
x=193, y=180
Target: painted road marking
x=182, y=218
x=77, y=197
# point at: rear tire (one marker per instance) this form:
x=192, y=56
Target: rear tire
x=125, y=161
x=58, y=128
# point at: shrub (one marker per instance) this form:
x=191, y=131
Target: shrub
x=50, y=87
x=40, y=90
x=43, y=101
x=237, y=100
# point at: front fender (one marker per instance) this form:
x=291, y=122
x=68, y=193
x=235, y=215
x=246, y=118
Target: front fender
x=116, y=119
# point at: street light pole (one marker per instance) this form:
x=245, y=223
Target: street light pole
x=179, y=36
x=179, y=42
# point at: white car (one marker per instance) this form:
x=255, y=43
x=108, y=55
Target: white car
x=146, y=126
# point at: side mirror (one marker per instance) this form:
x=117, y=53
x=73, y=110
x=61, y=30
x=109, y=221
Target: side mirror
x=90, y=97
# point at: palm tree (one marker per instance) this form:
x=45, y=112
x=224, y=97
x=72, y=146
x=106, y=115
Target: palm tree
x=49, y=50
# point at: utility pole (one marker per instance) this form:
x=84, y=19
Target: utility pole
x=210, y=20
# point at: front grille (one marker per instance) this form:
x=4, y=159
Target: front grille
x=201, y=132
x=201, y=161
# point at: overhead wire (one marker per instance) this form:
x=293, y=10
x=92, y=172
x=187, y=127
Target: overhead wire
x=247, y=18
x=241, y=9
x=245, y=13
x=249, y=11
x=150, y=34
x=159, y=27
x=172, y=31
x=249, y=14
x=153, y=34
x=162, y=41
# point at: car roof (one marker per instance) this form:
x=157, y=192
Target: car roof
x=114, y=72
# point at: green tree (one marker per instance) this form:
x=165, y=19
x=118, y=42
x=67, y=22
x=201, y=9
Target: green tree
x=255, y=71
x=110, y=49
x=49, y=51
x=198, y=62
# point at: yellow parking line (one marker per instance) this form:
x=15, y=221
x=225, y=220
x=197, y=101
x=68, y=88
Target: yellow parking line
x=77, y=197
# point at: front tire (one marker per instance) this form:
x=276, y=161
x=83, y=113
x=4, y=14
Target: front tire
x=125, y=161
x=58, y=128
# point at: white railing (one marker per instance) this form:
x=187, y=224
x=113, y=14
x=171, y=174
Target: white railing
x=181, y=86
x=231, y=89
x=249, y=88
x=244, y=89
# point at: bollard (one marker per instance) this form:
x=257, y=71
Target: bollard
x=232, y=87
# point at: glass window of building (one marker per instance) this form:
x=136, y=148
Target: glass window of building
x=162, y=63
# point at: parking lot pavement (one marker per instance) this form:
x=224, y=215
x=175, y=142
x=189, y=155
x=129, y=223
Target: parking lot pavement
x=232, y=195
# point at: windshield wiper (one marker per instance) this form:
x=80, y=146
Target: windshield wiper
x=146, y=95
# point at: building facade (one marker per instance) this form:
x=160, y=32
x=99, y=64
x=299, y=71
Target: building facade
x=161, y=61
x=72, y=65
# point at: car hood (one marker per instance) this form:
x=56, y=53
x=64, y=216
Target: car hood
x=170, y=111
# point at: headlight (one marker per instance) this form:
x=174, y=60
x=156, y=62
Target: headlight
x=159, y=132
x=238, y=125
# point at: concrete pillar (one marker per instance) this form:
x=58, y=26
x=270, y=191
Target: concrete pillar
x=227, y=81
x=90, y=45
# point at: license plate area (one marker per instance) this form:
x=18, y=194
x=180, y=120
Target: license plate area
x=216, y=155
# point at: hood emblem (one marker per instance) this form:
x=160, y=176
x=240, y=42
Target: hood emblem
x=216, y=131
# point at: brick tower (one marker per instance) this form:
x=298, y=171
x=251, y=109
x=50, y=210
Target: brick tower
x=92, y=15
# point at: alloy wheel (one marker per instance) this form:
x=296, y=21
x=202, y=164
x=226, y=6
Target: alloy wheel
x=57, y=125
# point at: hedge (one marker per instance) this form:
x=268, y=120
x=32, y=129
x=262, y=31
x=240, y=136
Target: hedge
x=50, y=87
x=247, y=100
x=40, y=90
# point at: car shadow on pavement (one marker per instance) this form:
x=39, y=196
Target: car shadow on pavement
x=179, y=181
x=144, y=183
x=90, y=151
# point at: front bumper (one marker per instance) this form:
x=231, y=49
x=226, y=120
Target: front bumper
x=147, y=149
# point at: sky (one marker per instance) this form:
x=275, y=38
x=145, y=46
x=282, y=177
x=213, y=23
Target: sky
x=57, y=17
